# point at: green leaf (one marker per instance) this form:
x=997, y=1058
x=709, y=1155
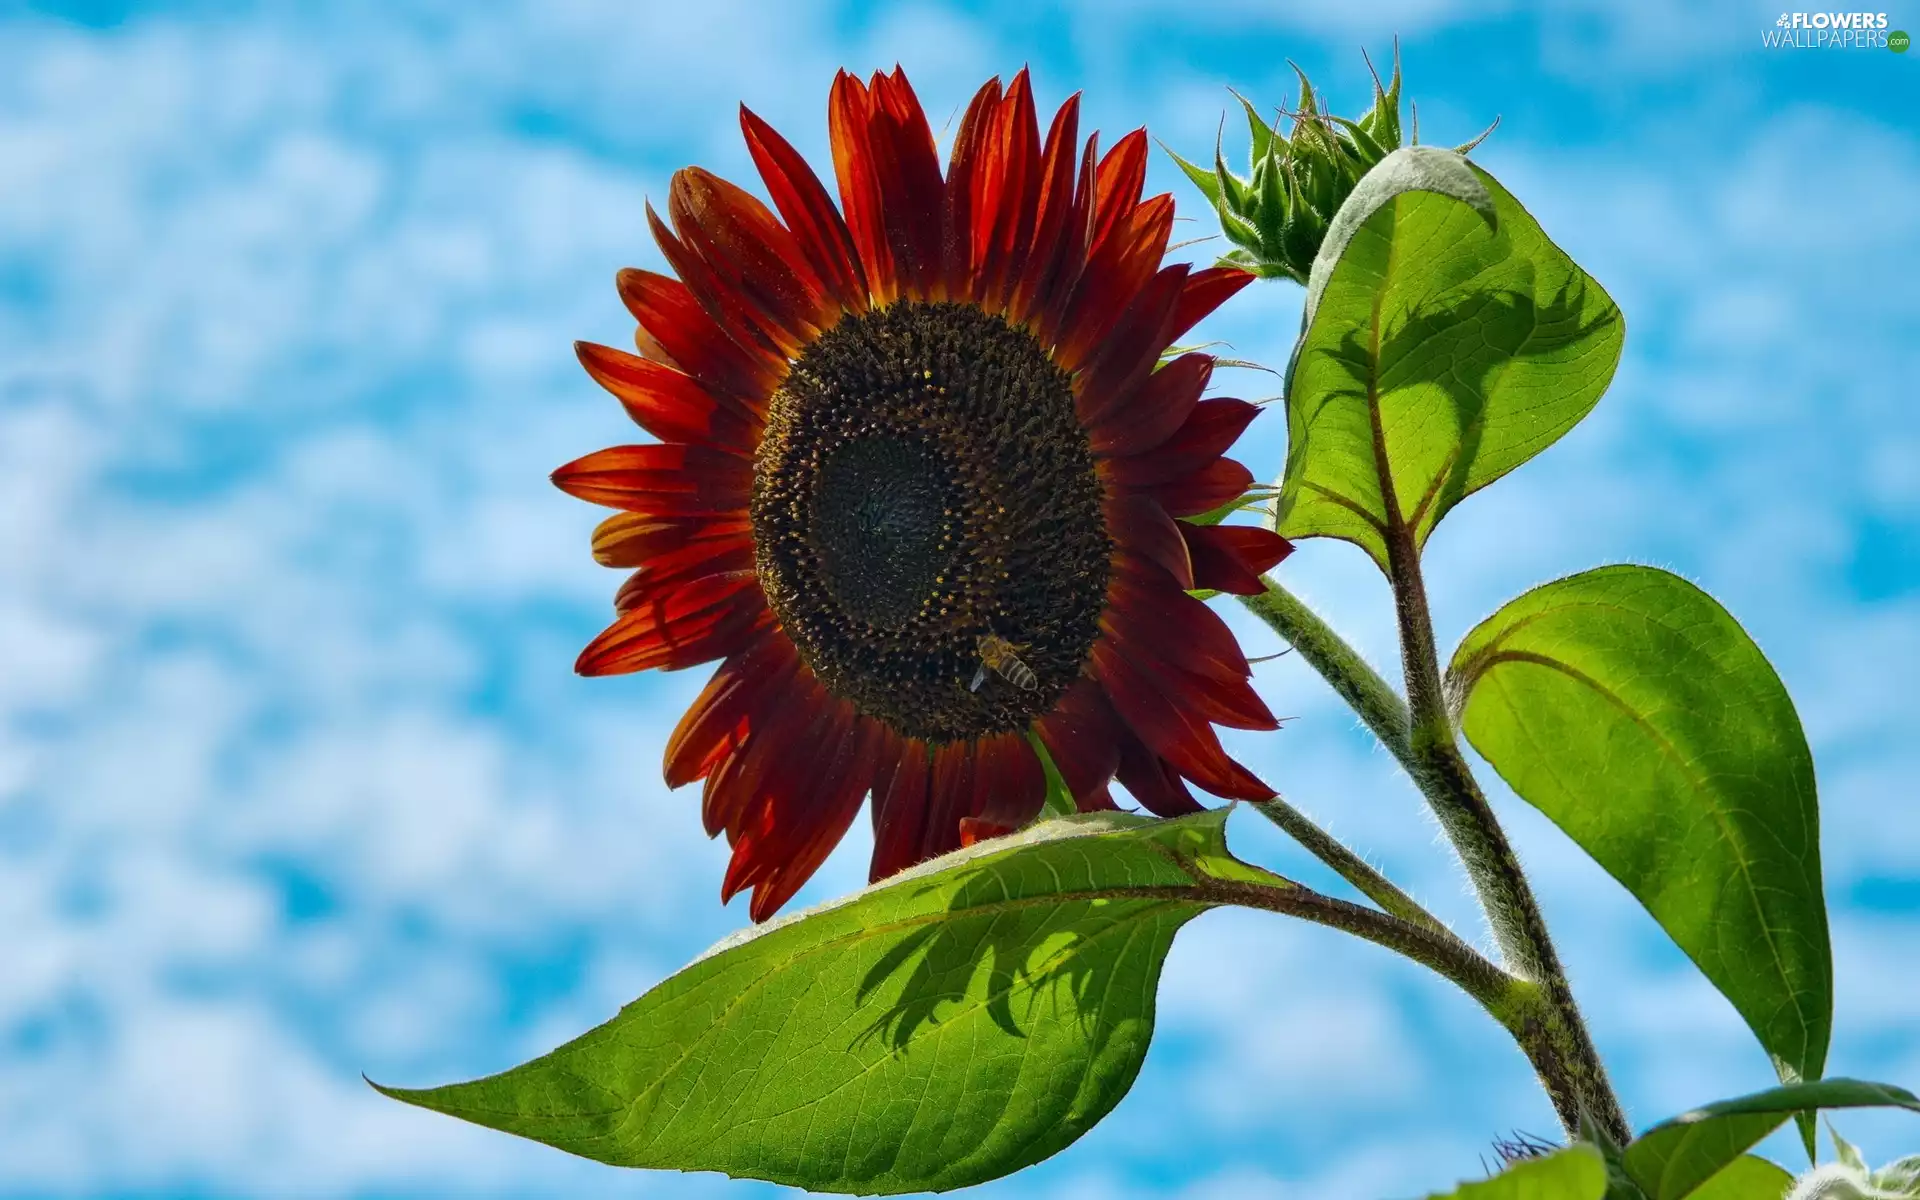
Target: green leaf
x=1383, y=119
x=1576, y=1173
x=1748, y=1177
x=1900, y=1177
x=1445, y=341
x=1238, y=229
x=1257, y=494
x=1845, y=1151
x=1370, y=150
x=1676, y=1157
x=1233, y=189
x=1199, y=175
x=1273, y=192
x=1059, y=798
x=1261, y=133
x=946, y=1027
x=1631, y=709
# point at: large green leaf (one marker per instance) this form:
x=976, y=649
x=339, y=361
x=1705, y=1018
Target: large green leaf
x=1446, y=341
x=1576, y=1173
x=1673, y=1159
x=1629, y=707
x=943, y=1028
x=1748, y=1177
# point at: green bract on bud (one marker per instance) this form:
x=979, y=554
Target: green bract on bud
x=1836, y=1181
x=1277, y=215
x=1901, y=1176
x=1851, y=1179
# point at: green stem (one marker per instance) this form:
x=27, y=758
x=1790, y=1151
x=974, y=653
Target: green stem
x=1378, y=705
x=1349, y=866
x=1446, y=955
x=1538, y=1010
x=1553, y=1033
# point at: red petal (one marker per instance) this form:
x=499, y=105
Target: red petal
x=663, y=480
x=808, y=211
x=1082, y=735
x=1155, y=410
x=667, y=404
x=1213, y=485
x=1126, y=357
x=974, y=830
x=753, y=253
x=1118, y=269
x=900, y=806
x=756, y=332
x=1206, y=290
x=1056, y=289
x=848, y=118
x=725, y=714
x=890, y=187
x=1213, y=427
x=1230, y=558
x=1169, y=730
x=1123, y=172
x=630, y=539
x=1153, y=781
x=784, y=745
x=813, y=821
x=664, y=572
x=769, y=827
x=966, y=166
x=950, y=793
x=696, y=623
x=674, y=322
x=908, y=165
x=1141, y=527
x=1100, y=801
x=1009, y=197
x=779, y=722
x=1193, y=673
x=1227, y=702
x=1010, y=785
x=1147, y=602
x=1051, y=243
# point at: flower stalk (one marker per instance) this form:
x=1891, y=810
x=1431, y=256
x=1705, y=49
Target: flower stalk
x=1378, y=706
x=1538, y=1009
x=1349, y=865
x=1552, y=1032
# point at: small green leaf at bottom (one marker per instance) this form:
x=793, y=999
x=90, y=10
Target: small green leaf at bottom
x=1575, y=1173
x=1748, y=1177
x=1675, y=1158
x=943, y=1028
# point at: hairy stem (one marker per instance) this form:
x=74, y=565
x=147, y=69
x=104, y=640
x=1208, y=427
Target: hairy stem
x=1378, y=705
x=1348, y=865
x=1539, y=1009
x=1552, y=1031
x=1440, y=951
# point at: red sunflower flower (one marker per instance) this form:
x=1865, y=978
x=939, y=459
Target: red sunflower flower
x=916, y=485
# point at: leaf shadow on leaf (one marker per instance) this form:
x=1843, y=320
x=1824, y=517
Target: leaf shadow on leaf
x=1039, y=954
x=1459, y=342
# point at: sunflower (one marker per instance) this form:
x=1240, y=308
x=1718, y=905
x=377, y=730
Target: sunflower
x=917, y=486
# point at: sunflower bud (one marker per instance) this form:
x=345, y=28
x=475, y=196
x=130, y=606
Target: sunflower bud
x=1851, y=1179
x=1277, y=216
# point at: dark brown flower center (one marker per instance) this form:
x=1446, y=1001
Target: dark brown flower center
x=925, y=502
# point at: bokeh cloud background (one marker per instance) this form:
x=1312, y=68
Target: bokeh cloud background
x=296, y=782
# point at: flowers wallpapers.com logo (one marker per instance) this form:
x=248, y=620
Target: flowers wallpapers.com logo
x=1834, y=31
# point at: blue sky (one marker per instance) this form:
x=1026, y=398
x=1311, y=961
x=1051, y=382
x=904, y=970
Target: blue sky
x=295, y=779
